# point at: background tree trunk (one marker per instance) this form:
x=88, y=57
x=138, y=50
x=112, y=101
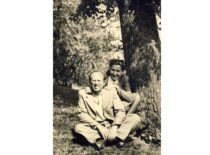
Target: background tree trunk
x=141, y=42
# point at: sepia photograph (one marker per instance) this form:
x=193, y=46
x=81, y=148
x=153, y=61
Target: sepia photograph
x=106, y=77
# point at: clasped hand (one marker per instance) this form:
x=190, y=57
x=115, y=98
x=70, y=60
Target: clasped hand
x=108, y=134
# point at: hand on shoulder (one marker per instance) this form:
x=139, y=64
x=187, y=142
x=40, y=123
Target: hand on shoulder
x=87, y=90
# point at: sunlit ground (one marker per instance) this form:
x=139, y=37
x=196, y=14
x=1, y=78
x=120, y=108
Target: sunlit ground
x=65, y=119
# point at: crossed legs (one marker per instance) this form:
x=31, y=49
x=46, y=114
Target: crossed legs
x=128, y=126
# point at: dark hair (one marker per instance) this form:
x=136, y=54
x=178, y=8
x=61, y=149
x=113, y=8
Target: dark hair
x=117, y=62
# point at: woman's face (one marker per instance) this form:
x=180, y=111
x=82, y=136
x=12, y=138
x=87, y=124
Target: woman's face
x=115, y=72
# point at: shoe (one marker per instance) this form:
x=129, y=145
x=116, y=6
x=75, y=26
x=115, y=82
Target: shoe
x=98, y=146
x=120, y=143
x=78, y=138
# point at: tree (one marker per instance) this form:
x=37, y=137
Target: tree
x=141, y=42
x=141, y=46
x=82, y=43
x=74, y=43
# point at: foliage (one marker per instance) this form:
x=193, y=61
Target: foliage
x=87, y=34
x=139, y=31
x=83, y=44
x=90, y=8
x=150, y=113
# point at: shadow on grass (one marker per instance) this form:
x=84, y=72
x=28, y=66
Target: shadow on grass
x=64, y=95
x=65, y=119
x=78, y=139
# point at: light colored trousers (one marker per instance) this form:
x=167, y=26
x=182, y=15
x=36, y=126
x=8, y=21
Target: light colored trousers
x=128, y=126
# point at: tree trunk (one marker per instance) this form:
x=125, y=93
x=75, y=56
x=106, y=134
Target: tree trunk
x=141, y=42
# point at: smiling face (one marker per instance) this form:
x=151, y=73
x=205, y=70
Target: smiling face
x=97, y=82
x=115, y=72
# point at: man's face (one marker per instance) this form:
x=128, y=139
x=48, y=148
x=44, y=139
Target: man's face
x=97, y=82
x=115, y=72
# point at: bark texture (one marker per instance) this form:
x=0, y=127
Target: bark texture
x=141, y=42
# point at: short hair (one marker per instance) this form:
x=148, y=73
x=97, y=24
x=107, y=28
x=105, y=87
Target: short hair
x=117, y=62
x=104, y=77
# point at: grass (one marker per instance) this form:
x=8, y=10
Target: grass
x=65, y=119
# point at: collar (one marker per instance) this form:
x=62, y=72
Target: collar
x=101, y=93
x=110, y=81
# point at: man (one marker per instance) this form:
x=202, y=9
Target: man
x=118, y=79
x=102, y=114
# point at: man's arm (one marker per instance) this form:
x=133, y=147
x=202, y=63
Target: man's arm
x=119, y=110
x=124, y=90
x=119, y=116
x=123, y=94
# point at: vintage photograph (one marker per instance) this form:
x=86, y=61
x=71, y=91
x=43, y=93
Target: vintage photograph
x=107, y=77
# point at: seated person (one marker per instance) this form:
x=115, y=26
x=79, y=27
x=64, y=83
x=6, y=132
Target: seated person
x=118, y=79
x=102, y=114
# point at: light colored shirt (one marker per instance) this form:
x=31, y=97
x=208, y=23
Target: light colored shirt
x=111, y=82
x=98, y=108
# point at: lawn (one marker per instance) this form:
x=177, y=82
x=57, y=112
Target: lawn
x=64, y=119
